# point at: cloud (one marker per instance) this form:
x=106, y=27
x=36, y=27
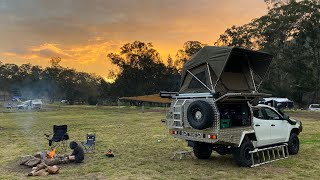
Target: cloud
x=88, y=57
x=83, y=32
x=45, y=51
x=76, y=53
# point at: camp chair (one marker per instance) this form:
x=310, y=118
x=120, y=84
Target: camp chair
x=89, y=146
x=59, y=138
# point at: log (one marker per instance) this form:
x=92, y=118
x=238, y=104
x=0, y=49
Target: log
x=25, y=159
x=42, y=172
x=33, y=162
x=53, y=169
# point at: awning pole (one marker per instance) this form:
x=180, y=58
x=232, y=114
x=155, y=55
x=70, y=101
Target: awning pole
x=216, y=84
x=210, y=77
x=199, y=81
x=251, y=73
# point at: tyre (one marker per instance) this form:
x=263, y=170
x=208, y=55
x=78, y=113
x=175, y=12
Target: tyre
x=200, y=115
x=202, y=150
x=293, y=144
x=241, y=154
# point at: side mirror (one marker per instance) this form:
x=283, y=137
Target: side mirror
x=286, y=117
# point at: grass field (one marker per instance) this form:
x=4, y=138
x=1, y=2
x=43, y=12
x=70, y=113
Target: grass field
x=133, y=136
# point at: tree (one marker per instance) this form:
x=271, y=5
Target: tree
x=189, y=49
x=141, y=70
x=55, y=61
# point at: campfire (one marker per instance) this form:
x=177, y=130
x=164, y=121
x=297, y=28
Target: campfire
x=52, y=153
x=43, y=163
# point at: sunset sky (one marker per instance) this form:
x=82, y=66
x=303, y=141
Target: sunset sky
x=83, y=32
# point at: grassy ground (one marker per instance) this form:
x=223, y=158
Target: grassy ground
x=134, y=137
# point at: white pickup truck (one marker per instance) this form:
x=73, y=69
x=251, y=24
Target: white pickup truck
x=271, y=127
x=216, y=109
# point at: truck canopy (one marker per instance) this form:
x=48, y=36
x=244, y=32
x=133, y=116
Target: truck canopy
x=224, y=70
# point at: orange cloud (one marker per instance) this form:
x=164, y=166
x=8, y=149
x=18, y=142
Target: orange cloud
x=90, y=57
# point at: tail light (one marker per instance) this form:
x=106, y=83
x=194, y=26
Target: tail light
x=212, y=136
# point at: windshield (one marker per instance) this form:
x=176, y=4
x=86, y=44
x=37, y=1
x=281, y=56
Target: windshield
x=315, y=106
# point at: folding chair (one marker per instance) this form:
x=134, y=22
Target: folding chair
x=89, y=146
x=59, y=138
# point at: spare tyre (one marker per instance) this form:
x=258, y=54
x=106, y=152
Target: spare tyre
x=200, y=115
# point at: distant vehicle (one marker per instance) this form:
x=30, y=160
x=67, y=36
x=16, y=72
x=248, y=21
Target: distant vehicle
x=64, y=101
x=276, y=101
x=314, y=107
x=36, y=104
x=32, y=104
x=16, y=99
x=24, y=105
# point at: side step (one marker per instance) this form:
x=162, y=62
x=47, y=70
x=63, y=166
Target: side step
x=269, y=154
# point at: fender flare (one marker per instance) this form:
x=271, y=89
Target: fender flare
x=251, y=134
x=293, y=130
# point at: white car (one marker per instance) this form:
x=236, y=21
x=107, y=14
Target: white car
x=36, y=104
x=24, y=105
x=314, y=107
x=32, y=104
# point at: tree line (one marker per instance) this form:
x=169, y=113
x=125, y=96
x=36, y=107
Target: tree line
x=53, y=83
x=290, y=31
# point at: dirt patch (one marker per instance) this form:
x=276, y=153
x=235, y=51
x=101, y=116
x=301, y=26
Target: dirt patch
x=17, y=168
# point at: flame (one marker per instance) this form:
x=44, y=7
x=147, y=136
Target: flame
x=52, y=153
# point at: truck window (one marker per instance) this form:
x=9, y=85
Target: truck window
x=315, y=106
x=272, y=115
x=257, y=113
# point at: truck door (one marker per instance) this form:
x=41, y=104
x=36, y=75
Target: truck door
x=278, y=126
x=261, y=127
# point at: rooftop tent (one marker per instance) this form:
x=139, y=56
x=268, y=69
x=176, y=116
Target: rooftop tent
x=224, y=69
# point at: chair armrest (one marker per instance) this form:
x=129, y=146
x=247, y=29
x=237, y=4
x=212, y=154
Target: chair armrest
x=47, y=135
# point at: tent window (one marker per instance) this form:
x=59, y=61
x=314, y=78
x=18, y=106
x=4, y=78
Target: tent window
x=195, y=83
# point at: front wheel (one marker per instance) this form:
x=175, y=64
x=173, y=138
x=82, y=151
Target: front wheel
x=202, y=150
x=241, y=154
x=293, y=144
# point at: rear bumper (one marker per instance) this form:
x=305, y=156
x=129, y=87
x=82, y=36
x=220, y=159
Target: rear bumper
x=206, y=137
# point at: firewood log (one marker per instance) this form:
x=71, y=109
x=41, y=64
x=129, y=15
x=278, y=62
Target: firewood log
x=42, y=172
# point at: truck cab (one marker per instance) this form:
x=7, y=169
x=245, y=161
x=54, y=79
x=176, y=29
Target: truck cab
x=271, y=127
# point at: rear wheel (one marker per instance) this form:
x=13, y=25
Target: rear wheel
x=293, y=144
x=241, y=154
x=202, y=150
